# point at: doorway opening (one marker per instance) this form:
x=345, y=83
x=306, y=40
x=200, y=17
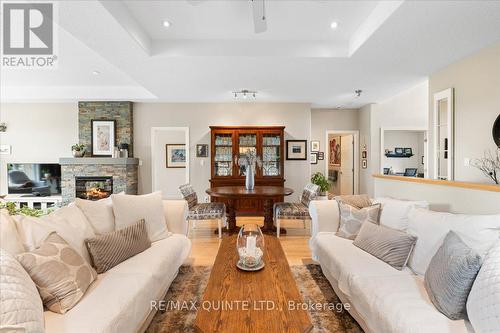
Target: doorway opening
x=342, y=161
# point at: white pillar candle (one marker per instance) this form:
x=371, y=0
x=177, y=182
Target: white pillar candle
x=251, y=245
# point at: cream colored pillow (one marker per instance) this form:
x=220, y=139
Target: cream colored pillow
x=69, y=222
x=129, y=209
x=61, y=275
x=9, y=238
x=21, y=308
x=99, y=213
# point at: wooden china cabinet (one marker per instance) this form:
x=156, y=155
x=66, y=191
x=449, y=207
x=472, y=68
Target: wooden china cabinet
x=228, y=142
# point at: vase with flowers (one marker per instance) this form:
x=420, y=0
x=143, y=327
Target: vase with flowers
x=249, y=160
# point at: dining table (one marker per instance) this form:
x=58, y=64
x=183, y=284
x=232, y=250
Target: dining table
x=231, y=194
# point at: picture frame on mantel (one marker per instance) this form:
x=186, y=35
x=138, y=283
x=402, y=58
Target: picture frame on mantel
x=103, y=137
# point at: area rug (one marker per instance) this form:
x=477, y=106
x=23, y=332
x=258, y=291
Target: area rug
x=190, y=283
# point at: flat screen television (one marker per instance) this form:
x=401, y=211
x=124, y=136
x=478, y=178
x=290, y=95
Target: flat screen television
x=34, y=179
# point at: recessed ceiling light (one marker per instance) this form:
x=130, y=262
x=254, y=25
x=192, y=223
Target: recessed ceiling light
x=96, y=72
x=166, y=24
x=334, y=25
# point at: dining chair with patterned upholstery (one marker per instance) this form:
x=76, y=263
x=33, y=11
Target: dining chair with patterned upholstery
x=203, y=211
x=296, y=210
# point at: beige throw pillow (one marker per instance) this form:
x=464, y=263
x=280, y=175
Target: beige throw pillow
x=357, y=200
x=129, y=209
x=9, y=238
x=69, y=223
x=99, y=213
x=111, y=249
x=352, y=218
x=61, y=275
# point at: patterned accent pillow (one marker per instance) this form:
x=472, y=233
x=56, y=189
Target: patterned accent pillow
x=61, y=275
x=351, y=219
x=483, y=303
x=110, y=249
x=450, y=275
x=310, y=192
x=189, y=195
x=389, y=245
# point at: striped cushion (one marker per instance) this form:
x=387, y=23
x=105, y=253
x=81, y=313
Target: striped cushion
x=110, y=249
x=450, y=275
x=389, y=245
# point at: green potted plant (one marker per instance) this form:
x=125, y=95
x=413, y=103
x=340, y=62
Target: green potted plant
x=78, y=150
x=319, y=179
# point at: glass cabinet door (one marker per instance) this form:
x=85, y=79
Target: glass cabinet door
x=247, y=142
x=223, y=155
x=271, y=155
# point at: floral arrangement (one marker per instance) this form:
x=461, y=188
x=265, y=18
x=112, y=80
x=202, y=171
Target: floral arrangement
x=489, y=165
x=248, y=159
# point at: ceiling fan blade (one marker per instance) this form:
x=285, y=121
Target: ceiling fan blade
x=259, y=16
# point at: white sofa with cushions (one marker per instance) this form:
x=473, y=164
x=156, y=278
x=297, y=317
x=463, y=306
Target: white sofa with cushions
x=119, y=300
x=383, y=299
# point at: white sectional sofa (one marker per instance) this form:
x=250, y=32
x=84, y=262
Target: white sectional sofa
x=120, y=299
x=381, y=298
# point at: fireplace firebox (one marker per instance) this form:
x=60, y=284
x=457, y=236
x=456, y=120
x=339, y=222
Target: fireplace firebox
x=93, y=188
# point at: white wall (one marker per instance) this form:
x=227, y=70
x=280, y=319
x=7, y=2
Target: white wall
x=407, y=109
x=476, y=80
x=38, y=133
x=365, y=175
x=199, y=116
x=323, y=120
x=166, y=179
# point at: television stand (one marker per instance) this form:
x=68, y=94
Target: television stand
x=37, y=202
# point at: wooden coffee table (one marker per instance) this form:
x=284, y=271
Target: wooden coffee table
x=259, y=300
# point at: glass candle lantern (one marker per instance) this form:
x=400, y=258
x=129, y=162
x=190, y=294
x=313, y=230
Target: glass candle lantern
x=250, y=246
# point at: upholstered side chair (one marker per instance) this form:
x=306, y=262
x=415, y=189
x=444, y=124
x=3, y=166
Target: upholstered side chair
x=203, y=211
x=296, y=210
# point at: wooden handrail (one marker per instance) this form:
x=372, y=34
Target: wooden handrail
x=472, y=186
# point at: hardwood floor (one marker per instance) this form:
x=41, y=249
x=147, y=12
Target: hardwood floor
x=205, y=243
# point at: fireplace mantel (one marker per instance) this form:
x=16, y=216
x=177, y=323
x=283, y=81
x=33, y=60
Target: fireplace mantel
x=98, y=161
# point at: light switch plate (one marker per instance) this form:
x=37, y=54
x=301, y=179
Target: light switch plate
x=466, y=161
x=5, y=149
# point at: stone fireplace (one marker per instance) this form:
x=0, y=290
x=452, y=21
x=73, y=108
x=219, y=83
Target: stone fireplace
x=99, y=176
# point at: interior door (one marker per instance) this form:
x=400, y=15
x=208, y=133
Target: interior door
x=347, y=164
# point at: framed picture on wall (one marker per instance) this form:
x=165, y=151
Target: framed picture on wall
x=176, y=155
x=363, y=154
x=314, y=158
x=202, y=150
x=399, y=151
x=296, y=150
x=321, y=156
x=408, y=151
x=334, y=155
x=314, y=146
x=364, y=164
x=103, y=135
